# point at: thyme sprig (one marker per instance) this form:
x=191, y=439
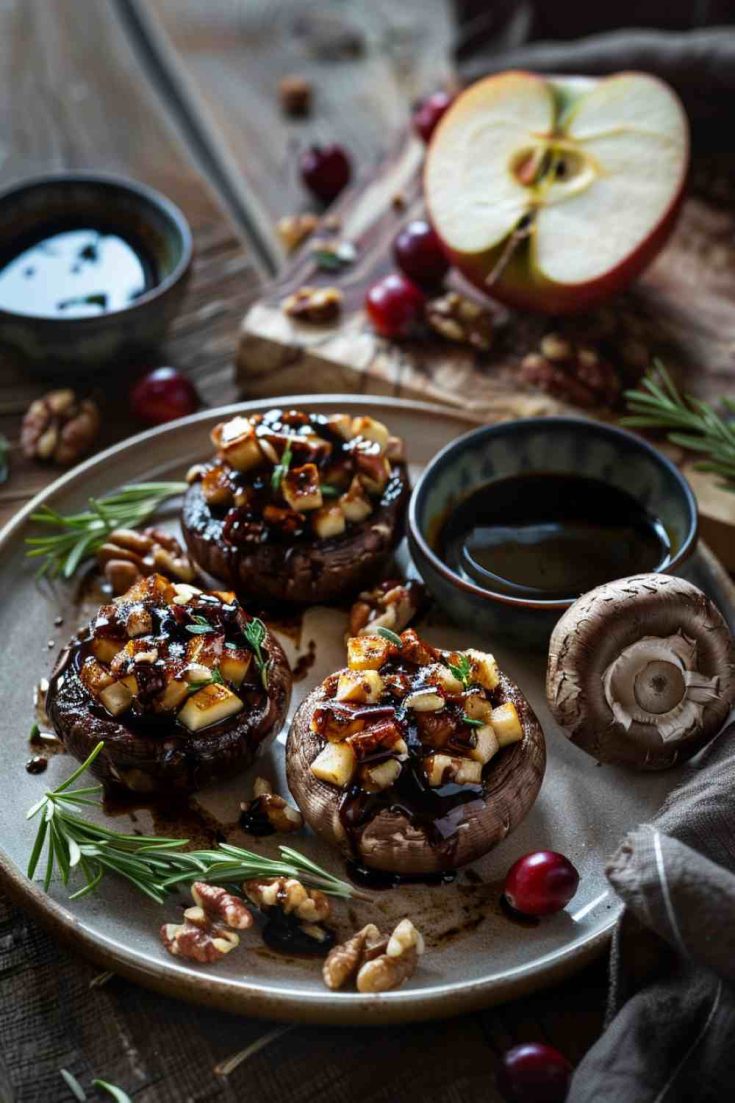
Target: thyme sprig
x=255, y=633
x=72, y=538
x=689, y=422
x=461, y=669
x=281, y=469
x=154, y=865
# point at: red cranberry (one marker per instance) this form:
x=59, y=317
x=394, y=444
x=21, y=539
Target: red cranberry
x=419, y=254
x=325, y=171
x=541, y=883
x=429, y=112
x=534, y=1073
x=162, y=395
x=394, y=305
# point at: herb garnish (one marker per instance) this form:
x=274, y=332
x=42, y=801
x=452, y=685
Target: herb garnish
x=154, y=865
x=330, y=491
x=200, y=627
x=281, y=469
x=255, y=633
x=389, y=635
x=215, y=679
x=471, y=721
x=462, y=669
x=79, y=535
x=696, y=425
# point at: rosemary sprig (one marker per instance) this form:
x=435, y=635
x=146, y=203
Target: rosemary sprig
x=255, y=633
x=690, y=422
x=152, y=864
x=74, y=537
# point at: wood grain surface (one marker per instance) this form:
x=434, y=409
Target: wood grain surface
x=83, y=86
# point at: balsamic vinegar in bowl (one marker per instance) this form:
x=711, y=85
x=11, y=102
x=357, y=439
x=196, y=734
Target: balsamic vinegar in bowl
x=548, y=536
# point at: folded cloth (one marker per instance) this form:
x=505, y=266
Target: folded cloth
x=671, y=1031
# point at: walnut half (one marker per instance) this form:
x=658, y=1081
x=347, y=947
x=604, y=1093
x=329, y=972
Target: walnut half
x=59, y=428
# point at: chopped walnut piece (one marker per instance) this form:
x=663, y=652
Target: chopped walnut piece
x=127, y=556
x=217, y=902
x=572, y=372
x=268, y=812
x=343, y=962
x=294, y=92
x=205, y=944
x=293, y=229
x=315, y=305
x=376, y=962
x=392, y=604
x=459, y=318
x=289, y=896
x=59, y=428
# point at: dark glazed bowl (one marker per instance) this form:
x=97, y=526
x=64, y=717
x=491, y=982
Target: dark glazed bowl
x=140, y=214
x=562, y=445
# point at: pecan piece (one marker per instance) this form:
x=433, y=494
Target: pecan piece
x=217, y=902
x=392, y=604
x=344, y=962
x=315, y=305
x=459, y=318
x=59, y=428
x=127, y=555
x=205, y=944
x=293, y=229
x=268, y=813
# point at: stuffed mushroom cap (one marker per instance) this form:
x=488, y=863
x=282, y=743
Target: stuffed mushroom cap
x=297, y=508
x=642, y=671
x=183, y=687
x=414, y=761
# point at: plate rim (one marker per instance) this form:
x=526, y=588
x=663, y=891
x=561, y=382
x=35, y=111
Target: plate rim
x=242, y=996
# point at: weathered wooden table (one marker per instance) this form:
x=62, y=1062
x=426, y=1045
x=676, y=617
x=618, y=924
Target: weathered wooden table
x=181, y=94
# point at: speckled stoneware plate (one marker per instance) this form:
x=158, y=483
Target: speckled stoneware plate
x=475, y=954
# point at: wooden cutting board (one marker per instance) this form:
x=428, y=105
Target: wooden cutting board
x=682, y=311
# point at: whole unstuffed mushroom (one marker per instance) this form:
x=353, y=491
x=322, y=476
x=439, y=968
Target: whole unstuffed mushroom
x=642, y=671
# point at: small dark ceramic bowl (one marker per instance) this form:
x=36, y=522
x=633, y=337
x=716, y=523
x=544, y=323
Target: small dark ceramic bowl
x=561, y=445
x=145, y=218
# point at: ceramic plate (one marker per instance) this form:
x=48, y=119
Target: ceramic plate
x=475, y=954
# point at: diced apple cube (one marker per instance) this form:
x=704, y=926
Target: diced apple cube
x=425, y=700
x=362, y=686
x=105, y=649
x=335, y=764
x=234, y=664
x=368, y=652
x=373, y=472
x=116, y=698
x=440, y=675
x=205, y=649
x=139, y=621
x=382, y=735
x=506, y=724
x=341, y=424
x=238, y=444
x=335, y=722
x=301, y=488
x=172, y=696
x=153, y=588
x=328, y=522
x=131, y=684
x=443, y=768
x=208, y=706
x=355, y=504
x=486, y=744
x=477, y=707
x=94, y=676
x=370, y=429
x=483, y=668
x=381, y=776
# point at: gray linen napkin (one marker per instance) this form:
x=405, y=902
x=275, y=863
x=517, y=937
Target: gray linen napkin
x=671, y=1032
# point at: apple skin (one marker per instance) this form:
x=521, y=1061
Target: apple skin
x=522, y=288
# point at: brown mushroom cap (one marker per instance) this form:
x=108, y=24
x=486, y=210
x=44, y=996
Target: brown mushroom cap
x=642, y=671
x=390, y=842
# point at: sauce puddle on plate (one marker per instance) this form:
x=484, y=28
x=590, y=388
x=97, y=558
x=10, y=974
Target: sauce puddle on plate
x=546, y=536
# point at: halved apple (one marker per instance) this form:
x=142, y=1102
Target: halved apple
x=553, y=194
